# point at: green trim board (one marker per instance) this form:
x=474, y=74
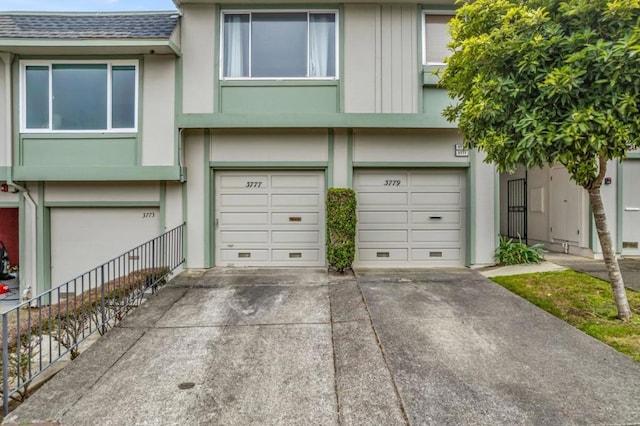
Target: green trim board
x=320, y=120
x=212, y=207
x=206, y=136
x=22, y=238
x=409, y=165
x=330, y=156
x=290, y=99
x=341, y=46
x=633, y=155
x=136, y=173
x=140, y=115
x=350, y=158
x=10, y=204
x=268, y=165
x=471, y=209
x=98, y=204
x=429, y=78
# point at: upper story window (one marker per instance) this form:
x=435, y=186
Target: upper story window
x=436, y=37
x=280, y=44
x=79, y=96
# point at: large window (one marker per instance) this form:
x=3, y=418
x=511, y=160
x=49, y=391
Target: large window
x=436, y=37
x=279, y=45
x=79, y=96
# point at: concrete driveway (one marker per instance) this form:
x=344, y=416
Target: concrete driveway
x=300, y=347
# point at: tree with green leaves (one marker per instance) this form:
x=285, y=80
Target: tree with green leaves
x=542, y=82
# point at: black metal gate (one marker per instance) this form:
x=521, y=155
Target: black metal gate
x=517, y=209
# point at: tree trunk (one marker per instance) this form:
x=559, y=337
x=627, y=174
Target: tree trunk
x=610, y=260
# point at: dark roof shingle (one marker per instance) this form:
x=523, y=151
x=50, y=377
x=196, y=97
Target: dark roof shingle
x=88, y=26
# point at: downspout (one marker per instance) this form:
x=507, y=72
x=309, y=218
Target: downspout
x=180, y=153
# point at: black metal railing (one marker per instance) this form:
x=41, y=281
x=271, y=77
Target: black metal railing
x=53, y=325
x=517, y=209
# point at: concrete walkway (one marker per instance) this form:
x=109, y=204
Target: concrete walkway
x=301, y=347
x=629, y=267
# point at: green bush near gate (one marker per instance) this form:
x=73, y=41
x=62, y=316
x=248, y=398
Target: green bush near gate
x=341, y=227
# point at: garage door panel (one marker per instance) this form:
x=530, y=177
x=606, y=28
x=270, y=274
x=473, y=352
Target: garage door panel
x=383, y=255
x=436, y=236
x=237, y=237
x=436, y=218
x=295, y=218
x=244, y=255
x=296, y=256
x=279, y=223
x=244, y=200
x=295, y=200
x=383, y=236
x=244, y=218
x=436, y=255
x=297, y=181
x=387, y=179
x=383, y=218
x=382, y=199
x=418, y=218
x=243, y=182
x=299, y=237
x=436, y=180
x=84, y=238
x=439, y=199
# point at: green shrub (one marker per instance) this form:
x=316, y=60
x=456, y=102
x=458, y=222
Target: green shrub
x=341, y=227
x=515, y=253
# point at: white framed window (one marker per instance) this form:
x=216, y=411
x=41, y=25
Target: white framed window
x=78, y=96
x=435, y=30
x=279, y=44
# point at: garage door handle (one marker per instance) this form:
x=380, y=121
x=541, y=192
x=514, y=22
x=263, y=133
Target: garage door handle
x=435, y=217
x=632, y=209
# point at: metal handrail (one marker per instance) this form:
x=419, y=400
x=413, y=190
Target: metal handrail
x=53, y=325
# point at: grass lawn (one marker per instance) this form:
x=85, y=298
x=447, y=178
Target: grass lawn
x=584, y=302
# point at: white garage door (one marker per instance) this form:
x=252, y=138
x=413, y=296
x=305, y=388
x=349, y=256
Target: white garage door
x=270, y=218
x=84, y=238
x=410, y=217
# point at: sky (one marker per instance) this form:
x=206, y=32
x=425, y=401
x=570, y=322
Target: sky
x=85, y=5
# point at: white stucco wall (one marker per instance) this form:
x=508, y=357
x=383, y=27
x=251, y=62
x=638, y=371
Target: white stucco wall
x=158, y=111
x=267, y=145
x=407, y=146
x=102, y=191
x=199, y=28
x=196, y=197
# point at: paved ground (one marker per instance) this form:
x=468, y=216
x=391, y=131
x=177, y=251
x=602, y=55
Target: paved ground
x=300, y=347
x=629, y=267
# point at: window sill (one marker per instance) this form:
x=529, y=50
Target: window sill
x=83, y=134
x=279, y=83
x=429, y=78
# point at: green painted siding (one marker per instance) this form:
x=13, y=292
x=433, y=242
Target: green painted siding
x=433, y=102
x=285, y=99
x=84, y=151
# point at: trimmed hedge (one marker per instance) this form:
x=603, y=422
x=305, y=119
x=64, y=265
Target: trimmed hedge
x=341, y=227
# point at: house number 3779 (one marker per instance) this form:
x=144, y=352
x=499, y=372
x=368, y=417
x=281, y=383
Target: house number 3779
x=392, y=182
x=253, y=185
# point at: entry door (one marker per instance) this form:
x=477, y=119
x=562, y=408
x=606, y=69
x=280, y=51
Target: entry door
x=566, y=207
x=631, y=208
x=270, y=218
